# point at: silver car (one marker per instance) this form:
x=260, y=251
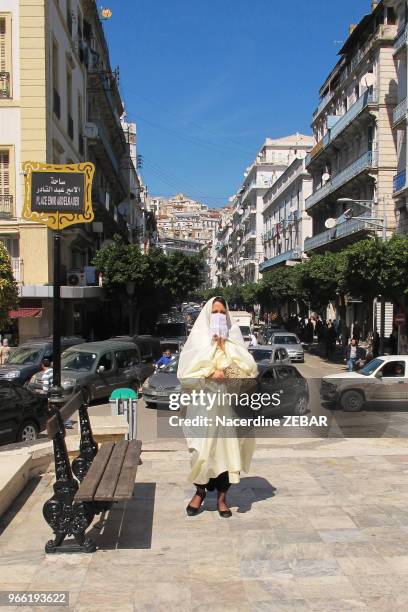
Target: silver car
x=291, y=343
x=265, y=355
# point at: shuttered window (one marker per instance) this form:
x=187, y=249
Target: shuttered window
x=5, y=56
x=4, y=173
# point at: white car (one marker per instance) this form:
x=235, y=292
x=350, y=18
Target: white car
x=382, y=380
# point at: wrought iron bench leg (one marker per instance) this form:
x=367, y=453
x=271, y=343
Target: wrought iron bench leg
x=63, y=515
x=88, y=448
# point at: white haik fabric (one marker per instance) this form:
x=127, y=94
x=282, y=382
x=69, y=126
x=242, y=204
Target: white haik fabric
x=213, y=453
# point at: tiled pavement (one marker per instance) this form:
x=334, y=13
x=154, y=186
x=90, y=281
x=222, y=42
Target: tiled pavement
x=319, y=526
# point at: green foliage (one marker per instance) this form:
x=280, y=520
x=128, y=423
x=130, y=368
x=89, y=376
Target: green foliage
x=8, y=286
x=319, y=278
x=278, y=286
x=159, y=279
x=373, y=267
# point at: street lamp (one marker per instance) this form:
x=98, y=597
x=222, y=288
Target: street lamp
x=130, y=290
x=379, y=223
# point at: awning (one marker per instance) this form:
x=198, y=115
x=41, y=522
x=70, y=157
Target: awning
x=25, y=313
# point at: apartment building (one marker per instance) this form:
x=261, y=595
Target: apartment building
x=355, y=156
x=59, y=103
x=400, y=115
x=246, y=238
x=285, y=221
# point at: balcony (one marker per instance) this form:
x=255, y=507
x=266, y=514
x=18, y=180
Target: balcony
x=279, y=259
x=342, y=230
x=401, y=40
x=17, y=268
x=56, y=104
x=251, y=235
x=399, y=181
x=343, y=122
x=5, y=89
x=365, y=162
x=400, y=113
x=6, y=205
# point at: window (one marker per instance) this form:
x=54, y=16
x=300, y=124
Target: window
x=394, y=369
x=5, y=56
x=106, y=362
x=80, y=122
x=6, y=198
x=69, y=16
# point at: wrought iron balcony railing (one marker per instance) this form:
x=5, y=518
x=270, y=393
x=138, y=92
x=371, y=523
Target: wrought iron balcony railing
x=6, y=205
x=278, y=259
x=399, y=181
x=5, y=85
x=342, y=230
x=366, y=161
x=399, y=112
x=56, y=104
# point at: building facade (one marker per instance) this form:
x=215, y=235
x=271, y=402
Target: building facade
x=59, y=104
x=354, y=161
x=400, y=114
x=285, y=222
x=246, y=236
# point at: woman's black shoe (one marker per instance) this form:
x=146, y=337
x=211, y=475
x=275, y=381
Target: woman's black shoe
x=191, y=511
x=225, y=513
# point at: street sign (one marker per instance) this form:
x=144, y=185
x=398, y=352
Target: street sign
x=400, y=319
x=58, y=195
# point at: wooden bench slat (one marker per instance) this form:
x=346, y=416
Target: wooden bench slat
x=125, y=485
x=107, y=486
x=95, y=473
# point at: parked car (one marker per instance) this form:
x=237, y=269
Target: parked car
x=172, y=334
x=267, y=330
x=265, y=355
x=382, y=380
x=149, y=346
x=291, y=343
x=283, y=379
x=22, y=414
x=98, y=368
x=27, y=358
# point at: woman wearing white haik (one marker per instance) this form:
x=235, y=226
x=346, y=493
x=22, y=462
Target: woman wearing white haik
x=215, y=349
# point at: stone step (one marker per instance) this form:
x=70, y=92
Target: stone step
x=14, y=475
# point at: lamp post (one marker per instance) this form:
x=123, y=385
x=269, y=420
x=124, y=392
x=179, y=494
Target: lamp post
x=380, y=223
x=130, y=290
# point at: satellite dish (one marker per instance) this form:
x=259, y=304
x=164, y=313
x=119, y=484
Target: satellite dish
x=330, y=223
x=326, y=177
x=241, y=211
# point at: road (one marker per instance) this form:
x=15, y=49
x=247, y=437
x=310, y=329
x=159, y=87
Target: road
x=373, y=423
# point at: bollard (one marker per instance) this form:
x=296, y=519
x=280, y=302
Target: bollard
x=124, y=401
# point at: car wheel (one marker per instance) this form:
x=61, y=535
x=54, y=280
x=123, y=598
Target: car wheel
x=301, y=405
x=352, y=401
x=28, y=432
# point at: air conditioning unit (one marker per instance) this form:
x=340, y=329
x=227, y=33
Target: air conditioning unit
x=91, y=131
x=76, y=279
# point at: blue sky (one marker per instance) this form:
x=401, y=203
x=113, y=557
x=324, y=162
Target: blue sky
x=208, y=81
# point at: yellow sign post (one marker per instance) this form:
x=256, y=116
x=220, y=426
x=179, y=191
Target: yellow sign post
x=58, y=195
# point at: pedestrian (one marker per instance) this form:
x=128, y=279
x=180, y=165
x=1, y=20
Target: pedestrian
x=216, y=459
x=330, y=341
x=354, y=354
x=356, y=331
x=376, y=344
x=4, y=352
x=253, y=341
x=164, y=359
x=47, y=380
x=393, y=342
x=309, y=331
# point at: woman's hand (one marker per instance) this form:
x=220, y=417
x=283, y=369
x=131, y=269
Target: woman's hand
x=220, y=342
x=218, y=375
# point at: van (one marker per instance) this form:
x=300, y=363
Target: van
x=97, y=368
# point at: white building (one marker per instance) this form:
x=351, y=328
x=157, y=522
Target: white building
x=286, y=224
x=248, y=204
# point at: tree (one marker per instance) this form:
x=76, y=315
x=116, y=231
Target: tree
x=160, y=280
x=278, y=287
x=8, y=286
x=373, y=267
x=319, y=278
